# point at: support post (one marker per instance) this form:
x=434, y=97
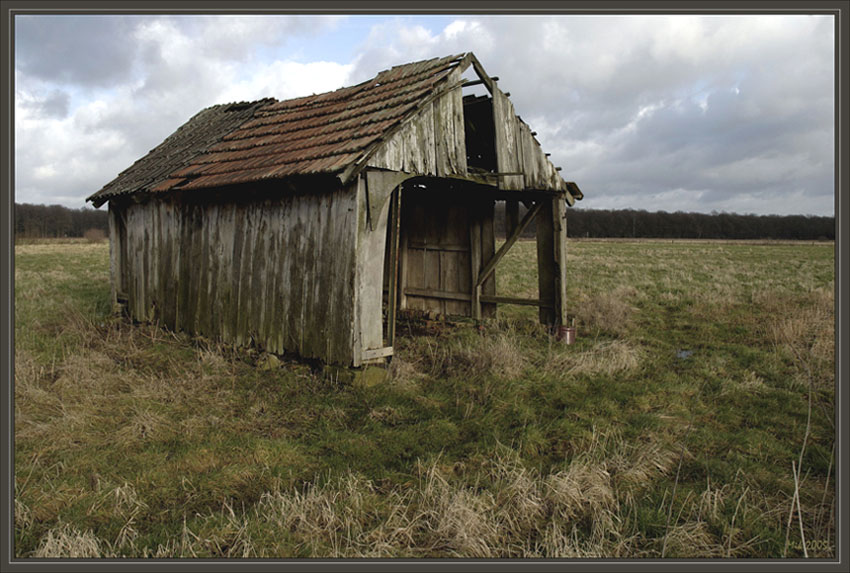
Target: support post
x=392, y=294
x=559, y=223
x=546, y=267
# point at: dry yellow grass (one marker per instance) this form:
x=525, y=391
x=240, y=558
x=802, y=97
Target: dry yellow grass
x=131, y=441
x=605, y=357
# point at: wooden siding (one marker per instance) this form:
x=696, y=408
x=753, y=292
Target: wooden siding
x=430, y=143
x=275, y=272
x=518, y=151
x=433, y=143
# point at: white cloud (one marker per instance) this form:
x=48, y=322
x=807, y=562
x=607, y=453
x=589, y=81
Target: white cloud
x=287, y=79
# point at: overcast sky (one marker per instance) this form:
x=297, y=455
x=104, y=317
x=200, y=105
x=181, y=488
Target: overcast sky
x=690, y=113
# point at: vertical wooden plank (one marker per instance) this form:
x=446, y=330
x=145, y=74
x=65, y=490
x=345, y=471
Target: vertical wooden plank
x=173, y=233
x=559, y=235
x=184, y=280
x=488, y=249
x=458, y=128
x=277, y=315
x=202, y=311
x=131, y=262
x=429, y=146
x=124, y=269
x=269, y=280
x=151, y=283
x=416, y=276
x=440, y=140
x=246, y=275
x=432, y=277
x=450, y=142
x=195, y=267
x=232, y=320
x=507, y=157
x=114, y=254
x=321, y=293
x=403, y=263
x=546, y=262
x=259, y=274
x=475, y=260
x=214, y=255
x=343, y=215
x=146, y=263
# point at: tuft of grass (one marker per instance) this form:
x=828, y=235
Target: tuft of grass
x=607, y=312
x=67, y=541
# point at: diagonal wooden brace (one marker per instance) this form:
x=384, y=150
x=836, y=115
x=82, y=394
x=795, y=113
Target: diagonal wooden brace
x=491, y=265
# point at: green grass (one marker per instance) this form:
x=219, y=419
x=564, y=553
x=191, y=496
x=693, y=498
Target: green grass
x=494, y=442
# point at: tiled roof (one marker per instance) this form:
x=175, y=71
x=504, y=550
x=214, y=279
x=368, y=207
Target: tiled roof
x=151, y=172
x=267, y=139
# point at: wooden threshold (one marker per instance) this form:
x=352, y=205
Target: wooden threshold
x=514, y=300
x=438, y=294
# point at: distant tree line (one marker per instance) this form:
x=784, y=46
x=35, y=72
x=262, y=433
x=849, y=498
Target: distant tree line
x=59, y=221
x=627, y=223
x=35, y=221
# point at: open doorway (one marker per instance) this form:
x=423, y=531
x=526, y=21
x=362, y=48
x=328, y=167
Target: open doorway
x=478, y=125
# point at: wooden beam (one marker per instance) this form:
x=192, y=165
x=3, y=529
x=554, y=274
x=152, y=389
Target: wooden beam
x=513, y=300
x=479, y=82
x=559, y=235
x=546, y=268
x=491, y=265
x=392, y=296
x=429, y=247
x=374, y=353
x=479, y=69
x=438, y=294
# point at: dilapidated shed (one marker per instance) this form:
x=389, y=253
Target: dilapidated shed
x=302, y=226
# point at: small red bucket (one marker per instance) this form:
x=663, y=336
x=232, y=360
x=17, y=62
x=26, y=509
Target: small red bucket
x=566, y=334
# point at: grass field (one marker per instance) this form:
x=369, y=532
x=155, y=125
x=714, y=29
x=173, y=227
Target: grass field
x=702, y=379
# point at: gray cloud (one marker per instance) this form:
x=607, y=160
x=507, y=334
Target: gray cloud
x=75, y=49
x=53, y=104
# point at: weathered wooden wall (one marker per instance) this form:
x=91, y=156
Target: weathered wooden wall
x=518, y=151
x=434, y=143
x=431, y=143
x=435, y=251
x=277, y=272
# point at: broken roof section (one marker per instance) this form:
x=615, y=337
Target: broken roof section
x=333, y=132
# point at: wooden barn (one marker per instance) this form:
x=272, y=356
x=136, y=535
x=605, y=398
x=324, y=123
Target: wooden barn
x=302, y=226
